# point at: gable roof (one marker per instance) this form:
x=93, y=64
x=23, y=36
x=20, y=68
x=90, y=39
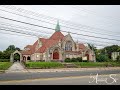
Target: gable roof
x=57, y=36
x=50, y=42
x=82, y=46
x=46, y=45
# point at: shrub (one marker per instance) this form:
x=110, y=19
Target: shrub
x=79, y=59
x=85, y=61
x=67, y=60
x=43, y=65
x=74, y=60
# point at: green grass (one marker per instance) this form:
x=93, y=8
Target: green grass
x=5, y=65
x=47, y=65
x=96, y=64
x=43, y=65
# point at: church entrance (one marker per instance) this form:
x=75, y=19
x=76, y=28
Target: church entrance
x=16, y=57
x=87, y=55
x=56, y=54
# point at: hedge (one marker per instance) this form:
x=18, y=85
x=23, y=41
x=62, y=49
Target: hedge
x=78, y=59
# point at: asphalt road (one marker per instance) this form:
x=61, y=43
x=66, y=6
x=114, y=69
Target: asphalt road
x=114, y=79
x=25, y=76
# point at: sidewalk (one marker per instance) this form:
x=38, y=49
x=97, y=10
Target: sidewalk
x=64, y=69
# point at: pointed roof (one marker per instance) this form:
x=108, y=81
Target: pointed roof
x=57, y=36
x=57, y=28
x=46, y=43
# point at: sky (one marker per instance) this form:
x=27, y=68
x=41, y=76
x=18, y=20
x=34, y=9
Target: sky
x=91, y=20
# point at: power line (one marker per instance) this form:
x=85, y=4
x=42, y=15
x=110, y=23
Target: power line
x=16, y=34
x=37, y=36
x=42, y=36
x=54, y=29
x=47, y=33
x=19, y=31
x=22, y=27
x=54, y=24
x=94, y=13
x=33, y=13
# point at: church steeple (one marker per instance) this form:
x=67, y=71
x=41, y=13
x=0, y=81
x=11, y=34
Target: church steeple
x=57, y=28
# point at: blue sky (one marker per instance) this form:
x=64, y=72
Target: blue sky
x=103, y=19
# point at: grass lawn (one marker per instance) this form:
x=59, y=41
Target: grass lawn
x=44, y=65
x=4, y=65
x=96, y=64
x=47, y=65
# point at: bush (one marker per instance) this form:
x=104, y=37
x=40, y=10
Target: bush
x=67, y=60
x=4, y=60
x=85, y=61
x=5, y=65
x=78, y=59
x=43, y=65
x=74, y=60
x=102, y=58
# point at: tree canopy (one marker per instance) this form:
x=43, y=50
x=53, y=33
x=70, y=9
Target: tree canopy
x=6, y=53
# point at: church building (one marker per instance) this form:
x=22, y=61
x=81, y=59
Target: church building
x=55, y=48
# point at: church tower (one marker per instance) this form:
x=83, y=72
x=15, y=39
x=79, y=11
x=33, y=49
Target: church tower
x=57, y=29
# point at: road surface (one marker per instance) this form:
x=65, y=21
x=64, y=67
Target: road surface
x=55, y=78
x=73, y=80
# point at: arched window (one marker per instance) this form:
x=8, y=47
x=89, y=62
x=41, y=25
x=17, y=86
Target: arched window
x=68, y=46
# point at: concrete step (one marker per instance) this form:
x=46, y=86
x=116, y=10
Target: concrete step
x=69, y=65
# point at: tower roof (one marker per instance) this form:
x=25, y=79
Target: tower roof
x=57, y=28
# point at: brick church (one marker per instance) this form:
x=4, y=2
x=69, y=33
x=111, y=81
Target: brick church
x=55, y=48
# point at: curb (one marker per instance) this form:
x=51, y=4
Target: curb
x=60, y=70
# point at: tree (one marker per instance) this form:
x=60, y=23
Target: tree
x=92, y=47
x=102, y=58
x=118, y=58
x=6, y=53
x=109, y=49
x=11, y=48
x=17, y=49
x=1, y=54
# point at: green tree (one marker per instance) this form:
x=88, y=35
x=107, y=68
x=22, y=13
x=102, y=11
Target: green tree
x=102, y=58
x=1, y=54
x=92, y=47
x=118, y=58
x=109, y=49
x=11, y=48
x=17, y=49
x=6, y=53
